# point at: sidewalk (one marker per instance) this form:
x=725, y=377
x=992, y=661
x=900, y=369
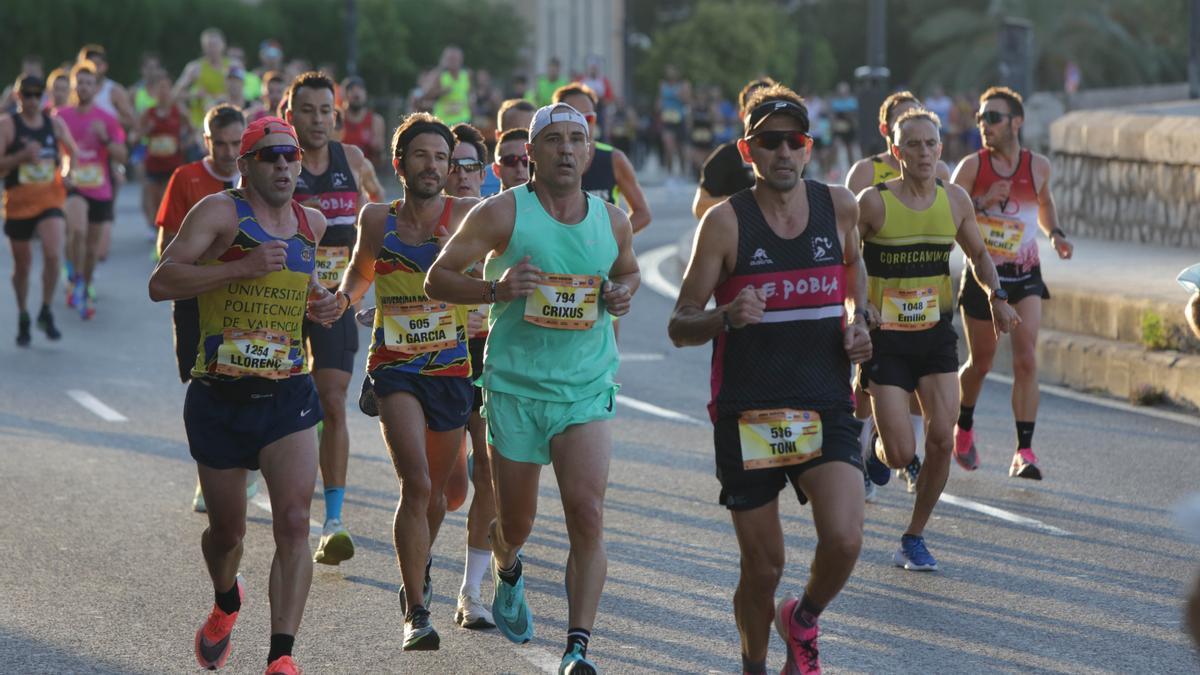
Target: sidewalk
x=1092, y=327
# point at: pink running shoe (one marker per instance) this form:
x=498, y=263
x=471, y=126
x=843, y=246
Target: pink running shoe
x=213, y=639
x=964, y=449
x=1024, y=465
x=284, y=665
x=802, y=658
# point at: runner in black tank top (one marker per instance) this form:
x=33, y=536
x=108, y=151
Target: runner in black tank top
x=782, y=259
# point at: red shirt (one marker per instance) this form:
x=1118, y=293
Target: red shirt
x=164, y=147
x=189, y=184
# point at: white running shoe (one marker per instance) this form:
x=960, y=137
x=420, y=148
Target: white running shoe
x=471, y=613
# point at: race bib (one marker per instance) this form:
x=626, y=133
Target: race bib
x=88, y=175
x=779, y=437
x=38, y=172
x=672, y=117
x=419, y=327
x=332, y=262
x=564, y=301
x=1002, y=236
x=702, y=136
x=162, y=146
x=909, y=309
x=254, y=353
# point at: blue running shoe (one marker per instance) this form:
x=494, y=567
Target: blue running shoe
x=912, y=554
x=509, y=608
x=877, y=471
x=575, y=663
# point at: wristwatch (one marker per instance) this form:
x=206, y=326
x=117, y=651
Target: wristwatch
x=998, y=294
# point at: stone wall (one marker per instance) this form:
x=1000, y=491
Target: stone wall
x=1128, y=176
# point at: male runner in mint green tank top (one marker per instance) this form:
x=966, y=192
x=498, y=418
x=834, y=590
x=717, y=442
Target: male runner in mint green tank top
x=559, y=263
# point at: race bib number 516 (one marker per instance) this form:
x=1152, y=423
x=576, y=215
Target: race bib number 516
x=779, y=437
x=565, y=301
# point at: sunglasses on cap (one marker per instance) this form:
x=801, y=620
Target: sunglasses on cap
x=272, y=153
x=991, y=117
x=513, y=160
x=770, y=140
x=465, y=164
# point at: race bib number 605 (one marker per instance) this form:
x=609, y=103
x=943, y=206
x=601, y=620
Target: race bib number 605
x=419, y=327
x=779, y=437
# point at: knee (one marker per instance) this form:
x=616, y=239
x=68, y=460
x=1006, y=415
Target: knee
x=585, y=520
x=514, y=529
x=898, y=451
x=226, y=534
x=333, y=407
x=1024, y=364
x=291, y=524
x=762, y=570
x=415, y=493
x=845, y=545
x=980, y=359
x=939, y=442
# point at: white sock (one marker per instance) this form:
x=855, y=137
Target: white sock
x=478, y=560
x=918, y=425
x=865, y=436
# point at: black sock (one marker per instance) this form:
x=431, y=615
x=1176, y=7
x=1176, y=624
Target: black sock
x=511, y=575
x=229, y=601
x=806, y=612
x=578, y=636
x=753, y=667
x=966, y=417
x=1024, y=435
x=281, y=645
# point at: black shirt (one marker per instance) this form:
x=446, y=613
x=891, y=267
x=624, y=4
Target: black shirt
x=725, y=173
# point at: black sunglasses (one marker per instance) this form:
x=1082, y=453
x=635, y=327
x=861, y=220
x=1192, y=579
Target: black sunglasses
x=31, y=94
x=465, y=164
x=991, y=117
x=513, y=160
x=272, y=153
x=770, y=140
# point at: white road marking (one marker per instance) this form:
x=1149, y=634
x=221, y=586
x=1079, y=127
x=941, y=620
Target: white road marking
x=539, y=658
x=1064, y=392
x=1002, y=514
x=96, y=406
x=648, y=264
x=651, y=409
x=641, y=356
x=263, y=502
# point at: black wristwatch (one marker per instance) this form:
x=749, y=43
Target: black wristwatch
x=725, y=320
x=998, y=294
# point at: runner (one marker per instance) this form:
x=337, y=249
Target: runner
x=217, y=171
x=364, y=127
x=272, y=94
x=31, y=144
x=329, y=180
x=674, y=97
x=542, y=403
x=909, y=225
x=202, y=81
x=514, y=113
x=512, y=159
x=166, y=130
x=866, y=172
x=449, y=86
x=110, y=97
x=235, y=90
x=724, y=173
x=101, y=142
x=1010, y=187
x=610, y=175
x=468, y=163
x=252, y=403
x=782, y=260
x=423, y=392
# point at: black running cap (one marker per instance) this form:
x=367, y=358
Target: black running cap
x=31, y=83
x=762, y=111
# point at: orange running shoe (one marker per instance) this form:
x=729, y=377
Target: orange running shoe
x=213, y=638
x=284, y=665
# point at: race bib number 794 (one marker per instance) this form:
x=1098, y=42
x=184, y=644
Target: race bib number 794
x=565, y=301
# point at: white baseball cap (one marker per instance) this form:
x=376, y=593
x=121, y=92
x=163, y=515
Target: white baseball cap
x=556, y=112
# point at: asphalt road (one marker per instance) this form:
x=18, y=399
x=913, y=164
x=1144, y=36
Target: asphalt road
x=1083, y=572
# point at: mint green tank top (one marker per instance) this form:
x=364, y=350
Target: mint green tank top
x=557, y=345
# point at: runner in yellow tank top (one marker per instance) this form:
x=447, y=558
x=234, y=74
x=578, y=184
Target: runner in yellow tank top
x=866, y=172
x=909, y=225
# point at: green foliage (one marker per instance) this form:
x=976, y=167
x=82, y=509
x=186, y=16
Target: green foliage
x=724, y=43
x=1154, y=331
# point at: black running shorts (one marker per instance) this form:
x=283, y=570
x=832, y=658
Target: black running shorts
x=974, y=299
x=333, y=347
x=229, y=423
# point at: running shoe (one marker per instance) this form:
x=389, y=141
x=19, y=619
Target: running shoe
x=45, y=323
x=24, y=337
x=72, y=287
x=284, y=665
x=419, y=634
x=198, y=504
x=802, y=656
x=910, y=473
x=510, y=609
x=868, y=487
x=964, y=449
x=471, y=613
x=912, y=554
x=365, y=317
x=251, y=485
x=877, y=471
x=86, y=302
x=575, y=663
x=1024, y=465
x=213, y=639
x=367, y=403
x=426, y=597
x=336, y=544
